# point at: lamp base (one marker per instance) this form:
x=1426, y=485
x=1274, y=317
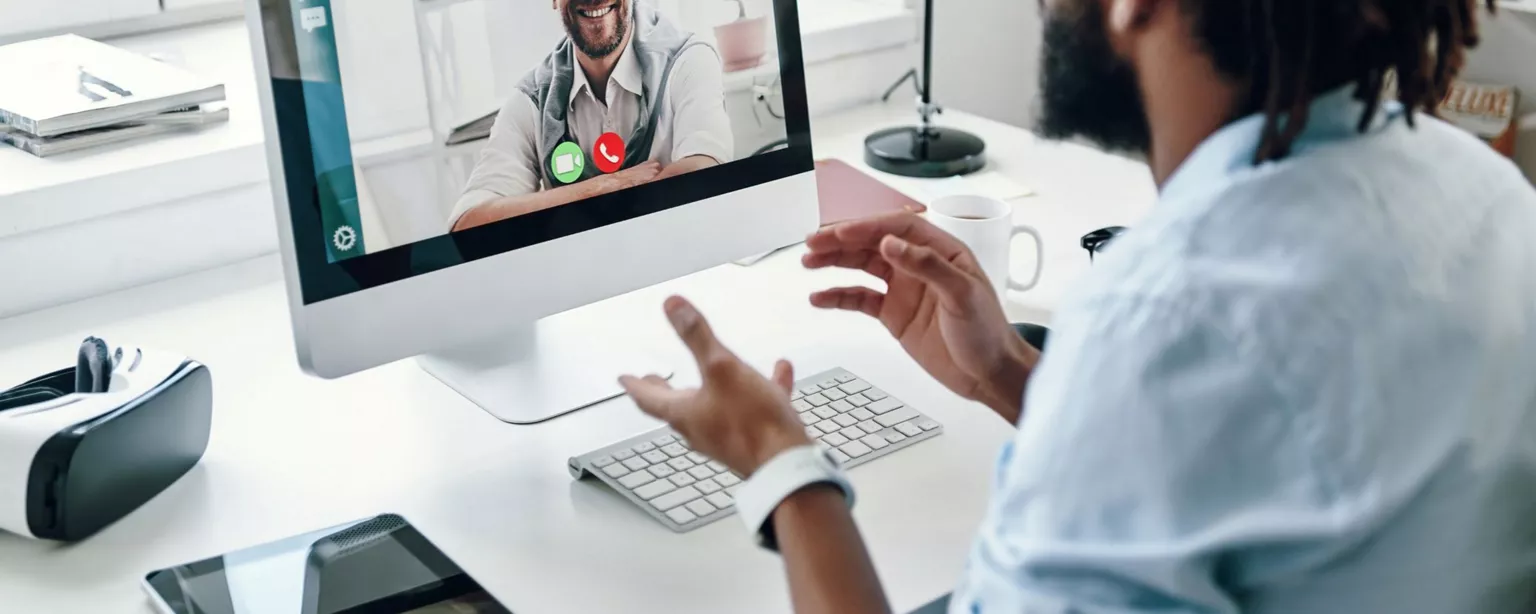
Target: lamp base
x=928, y=152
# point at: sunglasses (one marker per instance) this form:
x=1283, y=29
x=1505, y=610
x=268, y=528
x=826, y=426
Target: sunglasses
x=1097, y=241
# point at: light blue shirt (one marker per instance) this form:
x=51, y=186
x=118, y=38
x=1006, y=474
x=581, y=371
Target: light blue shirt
x=1305, y=387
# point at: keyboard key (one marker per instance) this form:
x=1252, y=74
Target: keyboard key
x=853, y=432
x=675, y=450
x=869, y=426
x=809, y=418
x=680, y=463
x=719, y=468
x=727, y=479
x=700, y=472
x=837, y=455
x=698, y=459
x=602, y=461
x=861, y=414
x=676, y=498
x=720, y=500
x=810, y=390
x=644, y=447
x=846, y=377
x=616, y=471
x=825, y=413
x=662, y=471
x=636, y=463
x=818, y=399
x=927, y=424
x=855, y=449
x=828, y=383
x=875, y=442
x=826, y=427
x=834, y=440
x=858, y=400
x=875, y=394
x=794, y=395
x=841, y=406
x=844, y=420
x=812, y=432
x=708, y=486
x=654, y=457
x=700, y=507
x=663, y=440
x=883, y=405
x=801, y=405
x=624, y=454
x=636, y=479
x=895, y=437
x=682, y=479
x=896, y=417
x=654, y=489
x=681, y=515
x=854, y=387
x=909, y=429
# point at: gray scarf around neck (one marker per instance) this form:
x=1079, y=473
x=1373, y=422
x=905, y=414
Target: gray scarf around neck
x=656, y=44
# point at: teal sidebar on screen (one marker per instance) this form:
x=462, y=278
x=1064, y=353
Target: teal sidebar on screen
x=315, y=33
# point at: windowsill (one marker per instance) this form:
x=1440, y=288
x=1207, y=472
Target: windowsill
x=39, y=193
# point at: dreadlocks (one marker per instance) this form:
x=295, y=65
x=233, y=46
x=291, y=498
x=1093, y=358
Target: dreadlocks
x=1289, y=51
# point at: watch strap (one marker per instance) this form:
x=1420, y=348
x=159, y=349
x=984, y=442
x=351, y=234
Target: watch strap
x=789, y=472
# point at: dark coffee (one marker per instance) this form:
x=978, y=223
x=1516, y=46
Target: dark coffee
x=975, y=218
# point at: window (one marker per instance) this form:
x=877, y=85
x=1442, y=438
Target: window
x=25, y=19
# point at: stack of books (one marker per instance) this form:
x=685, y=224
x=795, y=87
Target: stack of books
x=69, y=93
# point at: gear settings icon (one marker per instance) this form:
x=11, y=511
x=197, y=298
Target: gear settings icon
x=345, y=238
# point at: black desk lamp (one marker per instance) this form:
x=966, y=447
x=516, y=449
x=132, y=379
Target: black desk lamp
x=924, y=150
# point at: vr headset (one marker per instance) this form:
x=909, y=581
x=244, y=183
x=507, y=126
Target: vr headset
x=82, y=447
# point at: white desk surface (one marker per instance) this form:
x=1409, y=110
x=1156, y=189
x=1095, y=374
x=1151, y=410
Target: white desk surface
x=291, y=453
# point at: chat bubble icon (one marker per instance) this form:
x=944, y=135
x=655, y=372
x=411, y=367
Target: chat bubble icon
x=312, y=18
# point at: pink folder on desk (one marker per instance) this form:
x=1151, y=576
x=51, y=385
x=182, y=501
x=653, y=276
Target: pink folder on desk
x=846, y=193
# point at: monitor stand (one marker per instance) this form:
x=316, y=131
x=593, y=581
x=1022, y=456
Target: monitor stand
x=556, y=366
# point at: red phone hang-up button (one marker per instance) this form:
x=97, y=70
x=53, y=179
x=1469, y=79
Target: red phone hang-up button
x=608, y=152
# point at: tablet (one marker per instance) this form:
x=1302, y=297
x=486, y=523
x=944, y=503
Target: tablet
x=379, y=565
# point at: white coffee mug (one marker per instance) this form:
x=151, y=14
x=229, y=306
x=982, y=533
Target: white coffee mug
x=986, y=226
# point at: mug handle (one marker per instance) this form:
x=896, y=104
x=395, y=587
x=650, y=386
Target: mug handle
x=1034, y=280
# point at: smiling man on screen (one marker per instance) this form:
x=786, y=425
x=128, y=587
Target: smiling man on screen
x=622, y=68
x=1304, y=384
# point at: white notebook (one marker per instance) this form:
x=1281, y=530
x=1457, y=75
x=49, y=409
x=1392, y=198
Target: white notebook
x=186, y=120
x=63, y=84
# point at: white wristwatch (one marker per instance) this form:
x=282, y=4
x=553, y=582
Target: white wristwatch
x=775, y=481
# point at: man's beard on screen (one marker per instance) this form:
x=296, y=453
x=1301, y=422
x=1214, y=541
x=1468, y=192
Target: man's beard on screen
x=597, y=37
x=1086, y=90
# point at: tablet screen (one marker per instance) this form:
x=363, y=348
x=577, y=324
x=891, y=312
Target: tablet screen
x=380, y=565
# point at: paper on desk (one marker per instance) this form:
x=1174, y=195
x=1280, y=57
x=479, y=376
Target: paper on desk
x=991, y=184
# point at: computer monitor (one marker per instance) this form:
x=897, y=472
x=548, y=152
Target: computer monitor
x=451, y=174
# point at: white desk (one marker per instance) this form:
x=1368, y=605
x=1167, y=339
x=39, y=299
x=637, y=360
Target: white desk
x=292, y=453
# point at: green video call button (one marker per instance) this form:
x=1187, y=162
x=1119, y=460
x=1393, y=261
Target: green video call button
x=567, y=163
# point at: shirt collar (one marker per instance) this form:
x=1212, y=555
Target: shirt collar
x=626, y=73
x=1334, y=117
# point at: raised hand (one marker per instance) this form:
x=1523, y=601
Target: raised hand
x=938, y=304
x=737, y=416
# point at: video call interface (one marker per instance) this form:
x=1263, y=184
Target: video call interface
x=596, y=97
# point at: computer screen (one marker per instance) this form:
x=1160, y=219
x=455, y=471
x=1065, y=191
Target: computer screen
x=420, y=135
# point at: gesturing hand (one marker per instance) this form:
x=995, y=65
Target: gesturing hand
x=737, y=416
x=938, y=304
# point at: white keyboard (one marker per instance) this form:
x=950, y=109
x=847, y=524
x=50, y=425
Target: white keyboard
x=685, y=490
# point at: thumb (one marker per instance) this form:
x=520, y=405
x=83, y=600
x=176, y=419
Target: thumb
x=654, y=396
x=949, y=282
x=784, y=375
